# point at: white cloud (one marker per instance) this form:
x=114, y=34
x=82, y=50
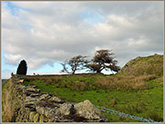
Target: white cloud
x=12, y=59
x=6, y=75
x=48, y=32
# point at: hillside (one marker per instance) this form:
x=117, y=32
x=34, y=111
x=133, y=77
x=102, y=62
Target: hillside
x=150, y=65
x=131, y=91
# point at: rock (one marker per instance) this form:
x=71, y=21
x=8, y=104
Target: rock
x=30, y=101
x=36, y=118
x=66, y=109
x=34, y=86
x=87, y=110
x=45, y=96
x=33, y=90
x=47, y=109
x=40, y=110
x=20, y=88
x=34, y=95
x=55, y=99
x=54, y=109
x=41, y=118
x=31, y=105
x=31, y=116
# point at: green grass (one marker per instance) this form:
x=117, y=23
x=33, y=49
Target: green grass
x=7, y=112
x=136, y=89
x=3, y=85
x=135, y=102
x=144, y=66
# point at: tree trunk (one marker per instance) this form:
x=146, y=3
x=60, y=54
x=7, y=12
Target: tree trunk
x=98, y=71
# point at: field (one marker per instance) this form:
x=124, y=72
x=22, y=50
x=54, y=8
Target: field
x=136, y=90
x=135, y=95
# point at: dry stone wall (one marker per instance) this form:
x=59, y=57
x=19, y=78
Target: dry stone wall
x=31, y=105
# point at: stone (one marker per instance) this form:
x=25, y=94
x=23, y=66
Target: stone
x=36, y=118
x=31, y=116
x=40, y=110
x=30, y=101
x=33, y=90
x=54, y=98
x=51, y=112
x=66, y=109
x=87, y=110
x=35, y=95
x=41, y=118
x=45, y=96
x=34, y=86
x=31, y=105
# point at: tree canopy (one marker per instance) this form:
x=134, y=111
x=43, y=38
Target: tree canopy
x=103, y=59
x=74, y=64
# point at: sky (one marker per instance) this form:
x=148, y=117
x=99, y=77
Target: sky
x=46, y=34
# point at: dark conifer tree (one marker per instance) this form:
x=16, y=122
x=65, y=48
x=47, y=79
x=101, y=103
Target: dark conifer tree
x=22, y=68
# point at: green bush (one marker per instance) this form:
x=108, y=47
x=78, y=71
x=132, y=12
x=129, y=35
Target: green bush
x=79, y=86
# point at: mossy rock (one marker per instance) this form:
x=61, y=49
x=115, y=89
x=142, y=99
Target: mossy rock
x=45, y=96
x=54, y=98
x=43, y=119
x=36, y=118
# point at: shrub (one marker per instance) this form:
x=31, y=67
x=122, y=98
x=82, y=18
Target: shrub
x=22, y=68
x=63, y=84
x=56, y=79
x=79, y=86
x=48, y=82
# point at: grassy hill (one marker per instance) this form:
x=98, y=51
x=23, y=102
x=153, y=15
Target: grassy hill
x=131, y=91
x=150, y=65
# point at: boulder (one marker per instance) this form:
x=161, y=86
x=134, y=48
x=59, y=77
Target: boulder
x=66, y=109
x=87, y=110
x=50, y=110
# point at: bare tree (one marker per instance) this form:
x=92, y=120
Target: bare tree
x=74, y=64
x=103, y=59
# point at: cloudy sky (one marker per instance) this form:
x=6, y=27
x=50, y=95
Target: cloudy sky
x=47, y=33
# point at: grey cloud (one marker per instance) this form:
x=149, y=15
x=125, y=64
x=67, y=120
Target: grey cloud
x=59, y=32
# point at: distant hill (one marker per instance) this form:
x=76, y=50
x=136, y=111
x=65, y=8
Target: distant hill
x=4, y=80
x=144, y=66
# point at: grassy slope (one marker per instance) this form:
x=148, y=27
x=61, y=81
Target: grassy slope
x=140, y=94
x=137, y=89
x=139, y=103
x=6, y=102
x=144, y=66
